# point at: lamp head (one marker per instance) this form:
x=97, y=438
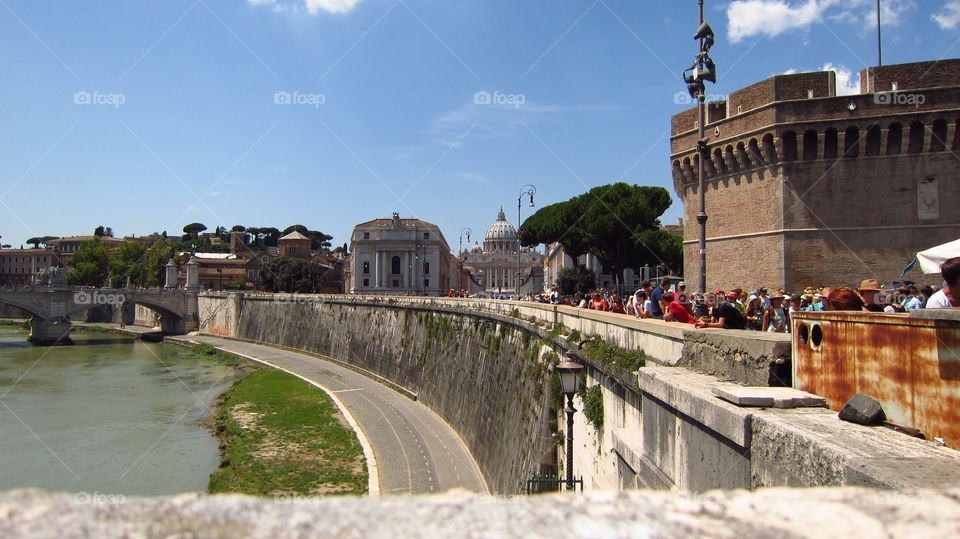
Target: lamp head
x=705, y=70
x=569, y=375
x=704, y=32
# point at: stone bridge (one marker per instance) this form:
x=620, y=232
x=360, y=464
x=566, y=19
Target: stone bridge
x=51, y=307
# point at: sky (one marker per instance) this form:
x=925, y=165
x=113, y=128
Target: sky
x=145, y=116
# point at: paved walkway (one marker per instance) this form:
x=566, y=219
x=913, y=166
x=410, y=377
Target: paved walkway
x=416, y=452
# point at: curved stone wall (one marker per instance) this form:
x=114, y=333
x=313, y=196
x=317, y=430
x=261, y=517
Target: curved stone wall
x=485, y=374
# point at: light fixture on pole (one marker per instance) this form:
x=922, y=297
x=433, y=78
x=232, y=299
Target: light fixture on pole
x=696, y=76
x=460, y=257
x=570, y=381
x=526, y=190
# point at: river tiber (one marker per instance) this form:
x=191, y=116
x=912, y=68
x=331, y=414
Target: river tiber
x=366, y=268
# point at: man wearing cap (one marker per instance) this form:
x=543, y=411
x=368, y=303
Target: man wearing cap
x=764, y=298
x=868, y=291
x=726, y=315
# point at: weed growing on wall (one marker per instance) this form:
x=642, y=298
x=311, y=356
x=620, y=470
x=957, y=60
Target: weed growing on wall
x=592, y=398
x=601, y=350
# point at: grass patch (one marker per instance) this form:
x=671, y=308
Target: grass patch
x=13, y=323
x=282, y=436
x=210, y=352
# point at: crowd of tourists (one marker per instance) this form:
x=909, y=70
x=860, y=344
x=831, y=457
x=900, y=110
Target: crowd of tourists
x=762, y=309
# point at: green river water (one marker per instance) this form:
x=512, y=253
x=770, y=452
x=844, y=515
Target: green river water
x=108, y=415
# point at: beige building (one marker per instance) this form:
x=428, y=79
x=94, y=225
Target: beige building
x=18, y=266
x=805, y=187
x=399, y=257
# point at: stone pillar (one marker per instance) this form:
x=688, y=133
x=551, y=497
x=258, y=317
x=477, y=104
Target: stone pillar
x=50, y=332
x=376, y=269
x=193, y=273
x=171, y=275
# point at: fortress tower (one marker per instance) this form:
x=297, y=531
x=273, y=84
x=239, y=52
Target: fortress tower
x=804, y=187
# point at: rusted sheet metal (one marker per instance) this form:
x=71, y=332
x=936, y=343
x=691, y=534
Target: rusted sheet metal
x=910, y=365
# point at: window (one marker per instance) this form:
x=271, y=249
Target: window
x=426, y=283
x=366, y=268
x=366, y=235
x=366, y=282
x=395, y=265
x=396, y=283
x=426, y=235
x=426, y=268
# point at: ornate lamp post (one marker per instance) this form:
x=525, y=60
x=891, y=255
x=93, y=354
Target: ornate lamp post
x=570, y=382
x=460, y=257
x=526, y=190
x=703, y=70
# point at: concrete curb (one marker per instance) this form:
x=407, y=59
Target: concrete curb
x=373, y=475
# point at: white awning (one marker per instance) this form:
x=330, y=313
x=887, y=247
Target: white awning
x=931, y=259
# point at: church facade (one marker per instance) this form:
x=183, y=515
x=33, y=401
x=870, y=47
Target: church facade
x=399, y=257
x=492, y=269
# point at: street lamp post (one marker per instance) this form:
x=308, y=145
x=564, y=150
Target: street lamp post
x=460, y=257
x=570, y=382
x=526, y=190
x=703, y=70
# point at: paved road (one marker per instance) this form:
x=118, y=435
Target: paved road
x=416, y=452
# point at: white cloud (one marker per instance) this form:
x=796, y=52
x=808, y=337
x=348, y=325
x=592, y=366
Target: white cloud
x=770, y=18
x=311, y=6
x=949, y=16
x=848, y=82
x=331, y=6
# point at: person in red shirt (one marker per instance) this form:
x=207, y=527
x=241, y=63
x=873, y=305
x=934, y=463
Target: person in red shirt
x=676, y=312
x=599, y=303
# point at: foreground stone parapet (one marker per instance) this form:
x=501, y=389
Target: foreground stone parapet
x=842, y=513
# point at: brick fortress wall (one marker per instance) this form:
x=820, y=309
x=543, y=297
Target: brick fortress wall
x=823, y=190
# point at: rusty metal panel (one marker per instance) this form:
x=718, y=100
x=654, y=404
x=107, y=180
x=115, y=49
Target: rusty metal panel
x=910, y=365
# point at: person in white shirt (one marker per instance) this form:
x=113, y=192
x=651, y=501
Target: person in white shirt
x=949, y=296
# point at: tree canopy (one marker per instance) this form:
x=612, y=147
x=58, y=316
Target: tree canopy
x=288, y=274
x=194, y=229
x=619, y=223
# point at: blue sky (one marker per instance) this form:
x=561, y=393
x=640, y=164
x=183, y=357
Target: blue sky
x=146, y=116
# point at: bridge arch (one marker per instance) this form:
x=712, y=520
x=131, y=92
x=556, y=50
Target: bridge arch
x=23, y=306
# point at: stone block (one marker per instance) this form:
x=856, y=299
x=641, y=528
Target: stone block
x=769, y=397
x=862, y=410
